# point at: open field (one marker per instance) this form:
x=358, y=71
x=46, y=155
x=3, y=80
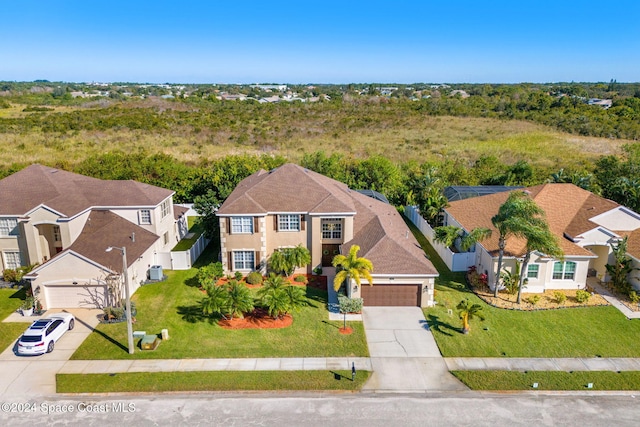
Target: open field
x=193, y=134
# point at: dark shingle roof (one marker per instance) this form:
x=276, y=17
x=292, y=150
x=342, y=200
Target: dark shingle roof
x=69, y=193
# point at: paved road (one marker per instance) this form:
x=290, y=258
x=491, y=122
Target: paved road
x=453, y=409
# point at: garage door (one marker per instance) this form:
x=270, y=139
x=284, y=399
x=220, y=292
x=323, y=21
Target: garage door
x=391, y=295
x=74, y=296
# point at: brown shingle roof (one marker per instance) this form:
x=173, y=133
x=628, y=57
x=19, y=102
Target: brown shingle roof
x=104, y=229
x=568, y=210
x=70, y=193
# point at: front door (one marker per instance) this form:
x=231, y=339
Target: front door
x=328, y=252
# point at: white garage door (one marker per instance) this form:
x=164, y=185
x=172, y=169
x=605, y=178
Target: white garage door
x=74, y=296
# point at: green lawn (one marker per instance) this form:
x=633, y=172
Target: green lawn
x=196, y=228
x=173, y=305
x=209, y=381
x=10, y=301
x=576, y=380
x=572, y=332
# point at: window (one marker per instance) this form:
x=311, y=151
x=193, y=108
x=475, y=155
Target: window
x=243, y=260
x=8, y=227
x=532, y=271
x=564, y=270
x=12, y=260
x=332, y=228
x=289, y=222
x=56, y=234
x=241, y=224
x=165, y=208
x=165, y=237
x=145, y=216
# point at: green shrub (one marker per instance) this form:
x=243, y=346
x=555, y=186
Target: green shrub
x=560, y=297
x=301, y=278
x=634, y=297
x=317, y=271
x=254, y=278
x=349, y=305
x=582, y=296
x=238, y=276
x=533, y=299
x=11, y=275
x=209, y=274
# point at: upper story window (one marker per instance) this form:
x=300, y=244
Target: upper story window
x=564, y=270
x=144, y=216
x=8, y=227
x=12, y=260
x=241, y=224
x=289, y=222
x=532, y=271
x=165, y=208
x=56, y=234
x=332, y=228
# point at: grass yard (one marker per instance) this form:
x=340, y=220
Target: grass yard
x=173, y=305
x=10, y=301
x=196, y=228
x=576, y=380
x=573, y=332
x=210, y=381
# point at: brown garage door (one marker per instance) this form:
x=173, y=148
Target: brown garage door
x=391, y=295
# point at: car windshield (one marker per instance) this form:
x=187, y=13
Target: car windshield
x=31, y=338
x=39, y=324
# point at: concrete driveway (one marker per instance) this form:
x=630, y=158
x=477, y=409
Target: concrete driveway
x=404, y=354
x=33, y=376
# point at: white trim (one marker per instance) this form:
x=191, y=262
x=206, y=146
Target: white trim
x=334, y=214
x=33, y=274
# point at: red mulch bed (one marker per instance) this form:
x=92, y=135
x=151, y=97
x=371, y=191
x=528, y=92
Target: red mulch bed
x=257, y=319
x=313, y=281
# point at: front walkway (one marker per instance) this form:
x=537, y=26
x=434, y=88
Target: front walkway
x=611, y=299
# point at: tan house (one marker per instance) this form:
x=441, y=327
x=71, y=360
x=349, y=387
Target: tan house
x=585, y=224
x=64, y=222
x=291, y=205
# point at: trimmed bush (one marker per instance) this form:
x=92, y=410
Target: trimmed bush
x=349, y=305
x=238, y=275
x=300, y=279
x=533, y=299
x=254, y=278
x=560, y=297
x=582, y=296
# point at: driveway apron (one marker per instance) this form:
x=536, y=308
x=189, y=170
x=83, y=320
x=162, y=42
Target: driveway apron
x=33, y=376
x=404, y=354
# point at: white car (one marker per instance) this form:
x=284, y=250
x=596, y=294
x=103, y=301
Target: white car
x=42, y=335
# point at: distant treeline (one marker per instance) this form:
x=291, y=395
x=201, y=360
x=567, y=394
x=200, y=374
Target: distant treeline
x=617, y=178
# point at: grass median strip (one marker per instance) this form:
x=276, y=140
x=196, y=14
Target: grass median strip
x=210, y=381
x=550, y=380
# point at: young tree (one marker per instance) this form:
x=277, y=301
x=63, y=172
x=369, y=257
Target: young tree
x=240, y=299
x=621, y=267
x=351, y=267
x=468, y=312
x=216, y=301
x=513, y=219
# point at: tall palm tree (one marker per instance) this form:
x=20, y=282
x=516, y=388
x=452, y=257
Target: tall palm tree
x=539, y=239
x=350, y=267
x=467, y=312
x=514, y=218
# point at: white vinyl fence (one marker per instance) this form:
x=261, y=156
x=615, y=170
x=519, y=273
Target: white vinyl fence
x=182, y=260
x=455, y=261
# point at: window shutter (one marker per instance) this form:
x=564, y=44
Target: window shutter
x=256, y=225
x=228, y=225
x=258, y=260
x=230, y=261
x=303, y=221
x=275, y=222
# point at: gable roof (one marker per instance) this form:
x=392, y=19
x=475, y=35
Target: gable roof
x=568, y=209
x=378, y=229
x=69, y=194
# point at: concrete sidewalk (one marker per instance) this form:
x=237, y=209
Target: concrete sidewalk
x=186, y=365
x=611, y=299
x=540, y=364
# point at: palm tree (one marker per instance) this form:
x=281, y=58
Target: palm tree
x=280, y=299
x=351, y=267
x=240, y=299
x=514, y=218
x=467, y=312
x=216, y=301
x=539, y=239
x=448, y=234
x=286, y=260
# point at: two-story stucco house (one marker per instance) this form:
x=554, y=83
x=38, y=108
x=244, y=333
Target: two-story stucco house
x=64, y=222
x=291, y=205
x=586, y=225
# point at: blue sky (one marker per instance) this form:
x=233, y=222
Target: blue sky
x=320, y=42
